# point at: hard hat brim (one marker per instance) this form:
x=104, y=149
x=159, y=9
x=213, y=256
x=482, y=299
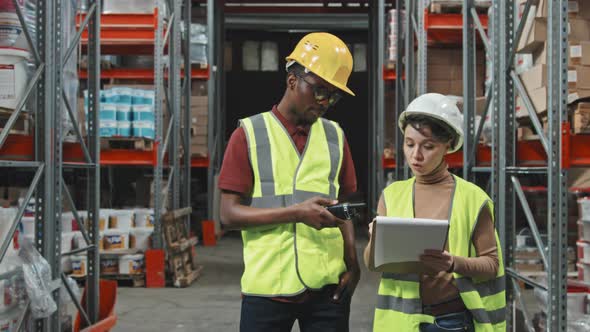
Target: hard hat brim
x=332, y=82
x=459, y=133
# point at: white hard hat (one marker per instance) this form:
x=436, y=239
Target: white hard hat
x=441, y=108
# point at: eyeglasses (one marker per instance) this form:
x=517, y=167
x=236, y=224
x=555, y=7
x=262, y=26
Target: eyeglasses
x=322, y=93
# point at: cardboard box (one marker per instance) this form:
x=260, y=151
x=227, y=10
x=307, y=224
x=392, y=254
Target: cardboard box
x=445, y=56
x=539, y=99
x=579, y=30
x=199, y=150
x=198, y=87
x=582, y=119
x=441, y=72
x=457, y=88
x=576, y=8
x=579, y=77
x=199, y=130
x=199, y=120
x=439, y=86
x=578, y=178
x=578, y=54
x=534, y=78
x=199, y=105
x=480, y=104
x=199, y=140
x=534, y=35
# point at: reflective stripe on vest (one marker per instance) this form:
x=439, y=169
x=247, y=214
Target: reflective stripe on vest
x=283, y=260
x=399, y=301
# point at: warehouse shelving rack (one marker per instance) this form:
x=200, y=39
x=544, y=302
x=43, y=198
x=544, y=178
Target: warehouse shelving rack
x=556, y=145
x=157, y=34
x=44, y=153
x=552, y=155
x=48, y=155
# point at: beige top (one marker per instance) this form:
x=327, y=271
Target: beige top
x=438, y=187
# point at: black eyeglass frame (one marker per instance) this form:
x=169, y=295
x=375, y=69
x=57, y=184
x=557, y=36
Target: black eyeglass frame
x=321, y=93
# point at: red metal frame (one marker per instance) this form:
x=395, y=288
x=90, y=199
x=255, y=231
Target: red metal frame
x=124, y=33
x=293, y=10
x=390, y=75
x=200, y=162
x=18, y=147
x=142, y=74
x=576, y=153
x=448, y=28
x=73, y=153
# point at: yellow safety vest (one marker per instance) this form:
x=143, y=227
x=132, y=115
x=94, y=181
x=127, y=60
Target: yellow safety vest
x=287, y=259
x=399, y=307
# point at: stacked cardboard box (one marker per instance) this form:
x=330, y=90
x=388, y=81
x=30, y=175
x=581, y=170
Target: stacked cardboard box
x=445, y=71
x=199, y=122
x=534, y=42
x=581, y=123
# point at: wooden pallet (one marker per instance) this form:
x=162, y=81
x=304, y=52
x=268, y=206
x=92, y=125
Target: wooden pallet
x=180, y=249
x=20, y=127
x=183, y=245
x=189, y=278
x=126, y=143
x=455, y=7
x=126, y=280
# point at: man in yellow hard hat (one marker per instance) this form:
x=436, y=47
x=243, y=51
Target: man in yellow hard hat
x=280, y=170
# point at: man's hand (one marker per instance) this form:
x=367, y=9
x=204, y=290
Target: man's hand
x=348, y=282
x=437, y=261
x=313, y=213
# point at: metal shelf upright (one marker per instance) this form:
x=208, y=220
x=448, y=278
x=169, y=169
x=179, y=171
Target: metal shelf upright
x=216, y=93
x=172, y=144
x=411, y=66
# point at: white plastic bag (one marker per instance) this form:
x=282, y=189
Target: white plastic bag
x=38, y=281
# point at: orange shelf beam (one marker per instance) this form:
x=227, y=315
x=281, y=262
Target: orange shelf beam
x=142, y=74
x=18, y=147
x=122, y=157
x=200, y=162
x=124, y=33
x=390, y=75
x=447, y=28
x=529, y=153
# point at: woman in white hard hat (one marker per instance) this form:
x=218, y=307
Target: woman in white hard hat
x=460, y=288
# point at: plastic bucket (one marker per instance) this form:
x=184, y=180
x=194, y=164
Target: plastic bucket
x=115, y=239
x=13, y=75
x=131, y=264
x=139, y=238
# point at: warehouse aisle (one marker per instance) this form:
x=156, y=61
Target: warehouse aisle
x=213, y=302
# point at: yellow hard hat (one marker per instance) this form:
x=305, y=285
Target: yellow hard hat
x=326, y=56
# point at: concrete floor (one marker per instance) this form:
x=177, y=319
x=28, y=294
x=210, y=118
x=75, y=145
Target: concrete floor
x=212, y=303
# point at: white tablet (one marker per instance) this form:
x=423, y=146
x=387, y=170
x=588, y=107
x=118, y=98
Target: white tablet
x=399, y=240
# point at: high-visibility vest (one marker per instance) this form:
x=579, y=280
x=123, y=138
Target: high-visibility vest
x=399, y=307
x=287, y=259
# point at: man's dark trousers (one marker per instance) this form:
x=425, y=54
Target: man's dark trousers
x=318, y=313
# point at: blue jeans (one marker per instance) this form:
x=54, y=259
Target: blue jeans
x=461, y=321
x=319, y=314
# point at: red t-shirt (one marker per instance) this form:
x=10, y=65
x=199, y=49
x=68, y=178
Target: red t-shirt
x=236, y=171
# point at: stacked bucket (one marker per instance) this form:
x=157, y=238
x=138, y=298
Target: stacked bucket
x=584, y=239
